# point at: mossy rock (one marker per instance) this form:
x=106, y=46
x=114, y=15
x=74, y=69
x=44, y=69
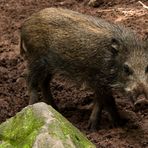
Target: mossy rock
x=40, y=126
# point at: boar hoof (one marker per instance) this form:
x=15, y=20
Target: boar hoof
x=120, y=122
x=93, y=126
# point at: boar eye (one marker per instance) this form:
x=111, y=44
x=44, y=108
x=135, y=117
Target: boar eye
x=127, y=70
x=146, y=69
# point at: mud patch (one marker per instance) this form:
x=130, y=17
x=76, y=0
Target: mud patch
x=74, y=103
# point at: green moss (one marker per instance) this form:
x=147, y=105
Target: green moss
x=64, y=130
x=20, y=131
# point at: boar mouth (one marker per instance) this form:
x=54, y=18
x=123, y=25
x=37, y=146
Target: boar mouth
x=141, y=103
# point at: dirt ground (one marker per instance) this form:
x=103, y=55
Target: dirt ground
x=71, y=101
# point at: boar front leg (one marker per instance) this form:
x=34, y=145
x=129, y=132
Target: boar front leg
x=110, y=106
x=95, y=116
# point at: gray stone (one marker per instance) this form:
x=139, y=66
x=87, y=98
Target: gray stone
x=40, y=126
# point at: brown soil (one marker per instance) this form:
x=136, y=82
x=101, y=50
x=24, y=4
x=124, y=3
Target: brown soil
x=73, y=103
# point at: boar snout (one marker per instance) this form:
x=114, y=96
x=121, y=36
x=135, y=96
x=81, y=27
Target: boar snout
x=141, y=97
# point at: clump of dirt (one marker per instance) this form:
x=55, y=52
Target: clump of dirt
x=74, y=103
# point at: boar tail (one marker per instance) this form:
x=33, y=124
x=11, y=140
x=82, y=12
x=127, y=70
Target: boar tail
x=23, y=48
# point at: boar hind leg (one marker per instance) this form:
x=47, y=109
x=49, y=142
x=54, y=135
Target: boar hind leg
x=95, y=116
x=37, y=75
x=45, y=88
x=32, y=85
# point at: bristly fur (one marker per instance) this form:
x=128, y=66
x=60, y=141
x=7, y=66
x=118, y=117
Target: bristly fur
x=84, y=48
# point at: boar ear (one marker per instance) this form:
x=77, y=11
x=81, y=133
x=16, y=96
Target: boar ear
x=115, y=46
